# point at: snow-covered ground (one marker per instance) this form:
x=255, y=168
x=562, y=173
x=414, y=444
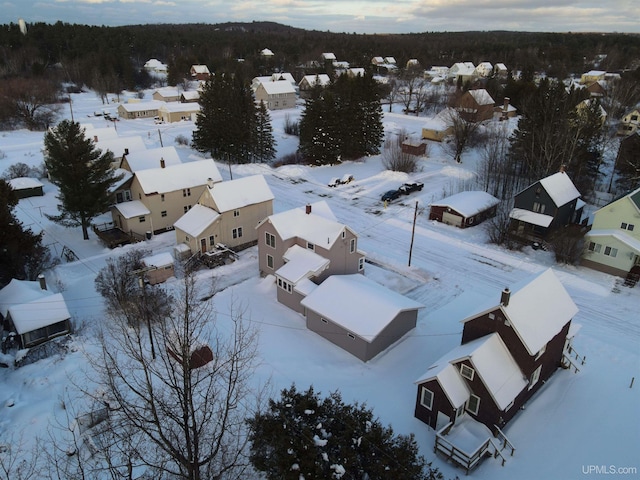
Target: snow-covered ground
x=580, y=424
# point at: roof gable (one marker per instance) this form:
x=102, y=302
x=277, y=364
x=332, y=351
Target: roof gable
x=316, y=227
x=177, y=177
x=560, y=188
x=196, y=220
x=239, y=193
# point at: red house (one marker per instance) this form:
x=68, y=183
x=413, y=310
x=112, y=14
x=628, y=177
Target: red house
x=511, y=344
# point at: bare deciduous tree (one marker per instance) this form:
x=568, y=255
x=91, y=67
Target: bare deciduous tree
x=31, y=102
x=464, y=132
x=394, y=158
x=17, y=462
x=183, y=414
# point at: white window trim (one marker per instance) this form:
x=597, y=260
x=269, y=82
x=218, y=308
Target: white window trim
x=464, y=368
x=535, y=376
x=477, y=404
x=428, y=406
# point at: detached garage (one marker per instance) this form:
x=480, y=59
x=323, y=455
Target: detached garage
x=464, y=209
x=359, y=315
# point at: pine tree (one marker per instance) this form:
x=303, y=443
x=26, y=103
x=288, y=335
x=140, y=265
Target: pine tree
x=22, y=254
x=319, y=140
x=302, y=435
x=264, y=142
x=82, y=173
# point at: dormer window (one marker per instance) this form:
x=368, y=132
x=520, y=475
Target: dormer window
x=467, y=372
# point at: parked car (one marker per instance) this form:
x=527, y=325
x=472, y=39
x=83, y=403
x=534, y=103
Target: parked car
x=347, y=178
x=334, y=182
x=410, y=187
x=390, y=195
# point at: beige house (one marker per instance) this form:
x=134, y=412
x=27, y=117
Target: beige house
x=178, y=111
x=592, y=76
x=439, y=126
x=120, y=147
x=462, y=71
x=613, y=243
x=308, y=83
x=304, y=246
x=133, y=110
x=276, y=95
x=227, y=213
x=166, y=94
x=160, y=196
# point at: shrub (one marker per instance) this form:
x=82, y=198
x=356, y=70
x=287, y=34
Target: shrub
x=291, y=127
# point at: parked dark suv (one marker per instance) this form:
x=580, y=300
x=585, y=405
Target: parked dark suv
x=390, y=195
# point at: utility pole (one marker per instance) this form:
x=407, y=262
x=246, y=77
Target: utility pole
x=413, y=232
x=160, y=135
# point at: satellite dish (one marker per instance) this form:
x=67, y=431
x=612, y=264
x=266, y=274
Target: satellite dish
x=23, y=26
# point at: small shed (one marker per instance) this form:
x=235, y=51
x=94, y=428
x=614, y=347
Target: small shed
x=414, y=147
x=25, y=187
x=161, y=267
x=464, y=209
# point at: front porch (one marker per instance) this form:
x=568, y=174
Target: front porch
x=467, y=442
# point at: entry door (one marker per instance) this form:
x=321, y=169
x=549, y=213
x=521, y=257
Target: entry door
x=203, y=245
x=441, y=421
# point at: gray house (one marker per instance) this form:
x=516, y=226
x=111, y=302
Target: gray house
x=304, y=246
x=359, y=315
x=542, y=207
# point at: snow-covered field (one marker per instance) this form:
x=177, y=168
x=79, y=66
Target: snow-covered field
x=584, y=424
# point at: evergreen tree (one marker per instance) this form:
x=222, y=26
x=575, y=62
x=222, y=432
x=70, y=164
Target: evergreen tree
x=319, y=140
x=22, y=254
x=82, y=173
x=226, y=123
x=304, y=436
x=264, y=142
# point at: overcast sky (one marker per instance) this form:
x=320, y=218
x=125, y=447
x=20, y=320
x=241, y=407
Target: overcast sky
x=371, y=16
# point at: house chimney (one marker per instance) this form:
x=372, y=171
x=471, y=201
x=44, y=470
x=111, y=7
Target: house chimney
x=126, y=151
x=562, y=167
x=504, y=298
x=307, y=209
x=210, y=182
x=161, y=162
x=95, y=138
x=42, y=281
x=505, y=107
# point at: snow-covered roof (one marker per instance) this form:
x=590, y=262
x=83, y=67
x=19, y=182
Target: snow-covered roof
x=468, y=203
x=619, y=235
x=320, y=79
x=240, y=193
x=538, y=309
x=265, y=52
x=304, y=287
x=533, y=218
x=22, y=183
x=357, y=71
x=501, y=66
x=301, y=263
x=133, y=208
x=440, y=121
x=560, y=188
x=125, y=176
x=177, y=177
x=118, y=145
x=19, y=291
x=328, y=56
x=39, y=313
x=179, y=107
x=168, y=92
x=153, y=63
x=314, y=227
x=196, y=220
x=482, y=97
x=358, y=304
x=448, y=376
x=278, y=87
x=200, y=69
x=102, y=133
x=390, y=60
x=145, y=159
x=280, y=76
x=142, y=106
x=191, y=95
x=158, y=260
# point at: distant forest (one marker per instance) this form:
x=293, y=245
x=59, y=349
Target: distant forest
x=92, y=55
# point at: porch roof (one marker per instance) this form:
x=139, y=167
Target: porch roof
x=301, y=263
x=533, y=218
x=133, y=208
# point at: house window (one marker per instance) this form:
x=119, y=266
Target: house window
x=344, y=234
x=361, y=264
x=311, y=246
x=142, y=219
x=187, y=208
x=541, y=352
x=162, y=197
x=426, y=398
x=163, y=213
x=473, y=404
x=535, y=376
x=284, y=285
x=352, y=245
x=466, y=371
x=595, y=247
x=626, y=226
x=236, y=213
x=212, y=240
x=269, y=261
x=459, y=411
x=270, y=239
x=538, y=207
x=492, y=316
x=186, y=192
x=119, y=197
x=610, y=251
x=236, y=232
